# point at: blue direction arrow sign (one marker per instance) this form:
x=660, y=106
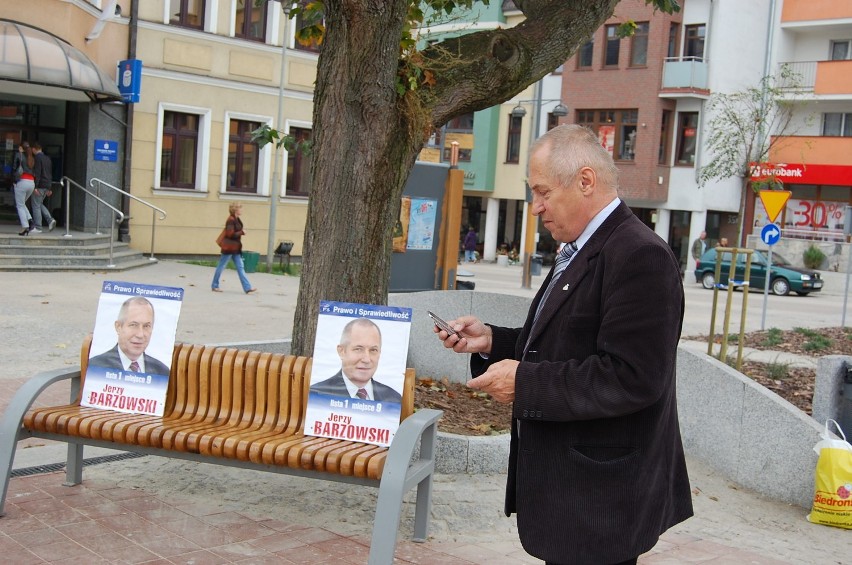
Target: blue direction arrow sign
x=770, y=234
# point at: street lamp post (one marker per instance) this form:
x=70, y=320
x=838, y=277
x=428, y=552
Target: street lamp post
x=286, y=6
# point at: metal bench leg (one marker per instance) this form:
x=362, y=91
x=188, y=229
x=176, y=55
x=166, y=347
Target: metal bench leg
x=74, y=465
x=386, y=524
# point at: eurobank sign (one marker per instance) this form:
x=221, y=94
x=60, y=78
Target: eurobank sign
x=837, y=175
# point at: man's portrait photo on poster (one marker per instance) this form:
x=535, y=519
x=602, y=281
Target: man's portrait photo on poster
x=358, y=371
x=131, y=352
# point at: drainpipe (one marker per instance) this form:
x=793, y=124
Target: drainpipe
x=699, y=152
x=124, y=228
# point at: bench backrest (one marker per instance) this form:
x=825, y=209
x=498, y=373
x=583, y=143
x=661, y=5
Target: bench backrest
x=241, y=386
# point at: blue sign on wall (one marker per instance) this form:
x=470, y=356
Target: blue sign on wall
x=106, y=150
x=130, y=79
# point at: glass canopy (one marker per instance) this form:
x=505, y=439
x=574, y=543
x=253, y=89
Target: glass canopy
x=35, y=62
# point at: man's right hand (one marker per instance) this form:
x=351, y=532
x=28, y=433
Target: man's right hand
x=472, y=336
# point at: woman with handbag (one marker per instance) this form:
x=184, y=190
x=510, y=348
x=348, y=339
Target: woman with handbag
x=229, y=241
x=24, y=186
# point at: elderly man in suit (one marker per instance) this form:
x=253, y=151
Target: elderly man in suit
x=134, y=327
x=596, y=465
x=359, y=350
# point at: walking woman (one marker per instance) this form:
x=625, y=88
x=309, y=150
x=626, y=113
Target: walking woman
x=232, y=249
x=24, y=186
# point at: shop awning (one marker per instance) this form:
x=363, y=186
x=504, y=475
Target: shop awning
x=36, y=63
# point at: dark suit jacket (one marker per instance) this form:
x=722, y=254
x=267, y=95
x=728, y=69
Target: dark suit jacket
x=111, y=360
x=337, y=387
x=596, y=465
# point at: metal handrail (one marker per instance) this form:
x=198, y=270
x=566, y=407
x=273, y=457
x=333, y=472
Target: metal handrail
x=153, y=208
x=118, y=213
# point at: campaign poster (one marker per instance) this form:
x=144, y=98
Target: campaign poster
x=131, y=354
x=421, y=223
x=358, y=372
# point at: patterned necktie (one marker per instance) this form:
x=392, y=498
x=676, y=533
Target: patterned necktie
x=134, y=366
x=562, y=259
x=362, y=394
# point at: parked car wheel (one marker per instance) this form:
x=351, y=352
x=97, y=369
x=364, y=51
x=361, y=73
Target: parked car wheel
x=708, y=281
x=780, y=287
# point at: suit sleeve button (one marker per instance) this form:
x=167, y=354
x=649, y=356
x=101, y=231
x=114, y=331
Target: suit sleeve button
x=526, y=413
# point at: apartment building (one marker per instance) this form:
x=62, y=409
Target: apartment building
x=814, y=40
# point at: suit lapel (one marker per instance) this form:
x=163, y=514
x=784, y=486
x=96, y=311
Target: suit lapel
x=572, y=277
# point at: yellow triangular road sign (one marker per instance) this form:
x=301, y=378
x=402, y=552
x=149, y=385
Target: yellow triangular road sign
x=774, y=201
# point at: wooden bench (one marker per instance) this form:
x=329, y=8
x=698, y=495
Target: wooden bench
x=243, y=409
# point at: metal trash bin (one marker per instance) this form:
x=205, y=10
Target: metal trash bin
x=250, y=261
x=536, y=261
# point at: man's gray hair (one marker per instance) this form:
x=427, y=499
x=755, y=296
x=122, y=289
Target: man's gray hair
x=141, y=300
x=573, y=147
x=347, y=329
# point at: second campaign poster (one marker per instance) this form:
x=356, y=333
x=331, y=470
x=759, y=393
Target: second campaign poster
x=358, y=372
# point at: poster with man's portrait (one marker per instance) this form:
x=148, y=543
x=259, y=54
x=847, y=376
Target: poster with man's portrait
x=131, y=353
x=358, y=372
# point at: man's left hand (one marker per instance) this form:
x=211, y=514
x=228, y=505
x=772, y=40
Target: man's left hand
x=498, y=381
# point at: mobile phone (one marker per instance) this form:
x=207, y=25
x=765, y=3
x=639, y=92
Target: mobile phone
x=441, y=323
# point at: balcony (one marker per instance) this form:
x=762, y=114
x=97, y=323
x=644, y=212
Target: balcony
x=684, y=77
x=822, y=78
x=815, y=13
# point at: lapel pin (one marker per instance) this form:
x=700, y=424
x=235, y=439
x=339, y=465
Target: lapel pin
x=566, y=286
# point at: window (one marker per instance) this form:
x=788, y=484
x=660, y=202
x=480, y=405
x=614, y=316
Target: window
x=665, y=137
x=837, y=124
x=250, y=21
x=673, y=31
x=616, y=130
x=687, y=135
x=694, y=42
x=187, y=13
x=584, y=57
x=639, y=45
x=301, y=23
x=459, y=129
x=552, y=121
x=243, y=157
x=179, y=153
x=612, y=46
x=841, y=50
x=299, y=166
x=513, y=143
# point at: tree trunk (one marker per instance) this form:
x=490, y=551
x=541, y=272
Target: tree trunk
x=366, y=137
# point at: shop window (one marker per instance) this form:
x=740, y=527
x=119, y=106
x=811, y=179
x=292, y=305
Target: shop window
x=250, y=20
x=687, y=136
x=243, y=157
x=639, y=45
x=187, y=13
x=616, y=130
x=299, y=165
x=179, y=152
x=612, y=46
x=584, y=56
